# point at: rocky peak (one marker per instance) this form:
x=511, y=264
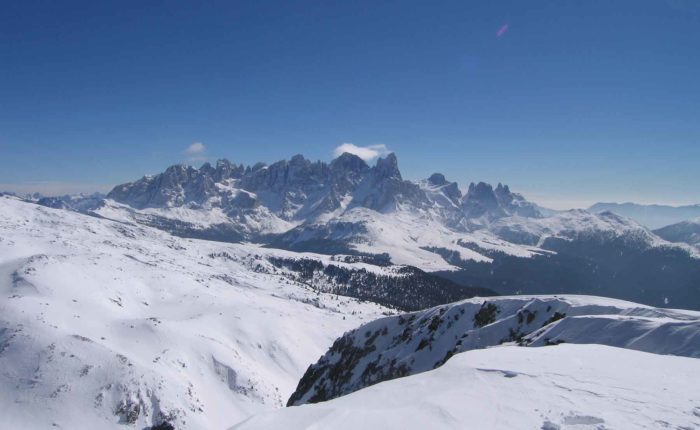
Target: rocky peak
x=222, y=163
x=347, y=162
x=226, y=170
x=502, y=189
x=178, y=169
x=503, y=194
x=298, y=159
x=388, y=167
x=481, y=201
x=258, y=166
x=482, y=192
x=299, y=189
x=437, y=179
x=346, y=172
x=448, y=189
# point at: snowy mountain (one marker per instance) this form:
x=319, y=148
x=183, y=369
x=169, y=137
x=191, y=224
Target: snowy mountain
x=483, y=201
x=573, y=252
x=564, y=387
x=488, y=238
x=683, y=232
x=111, y=323
x=404, y=345
x=596, y=254
x=651, y=216
x=266, y=199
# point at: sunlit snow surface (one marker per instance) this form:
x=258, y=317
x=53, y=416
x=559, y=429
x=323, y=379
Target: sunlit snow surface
x=408, y=344
x=566, y=387
x=416, y=237
x=115, y=325
x=103, y=322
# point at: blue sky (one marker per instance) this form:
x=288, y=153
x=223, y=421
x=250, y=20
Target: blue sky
x=569, y=102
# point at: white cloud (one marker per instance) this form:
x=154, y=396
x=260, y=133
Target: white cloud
x=196, y=152
x=197, y=148
x=367, y=153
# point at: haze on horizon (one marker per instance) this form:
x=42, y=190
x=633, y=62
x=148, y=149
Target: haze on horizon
x=569, y=103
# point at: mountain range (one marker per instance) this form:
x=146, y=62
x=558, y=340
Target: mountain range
x=487, y=239
x=651, y=216
x=110, y=318
x=265, y=199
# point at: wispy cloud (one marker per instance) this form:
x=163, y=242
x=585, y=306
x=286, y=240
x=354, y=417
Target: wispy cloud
x=367, y=153
x=196, y=152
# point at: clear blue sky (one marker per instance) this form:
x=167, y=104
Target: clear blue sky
x=569, y=102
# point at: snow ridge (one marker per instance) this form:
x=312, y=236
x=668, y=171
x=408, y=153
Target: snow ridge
x=564, y=387
x=407, y=344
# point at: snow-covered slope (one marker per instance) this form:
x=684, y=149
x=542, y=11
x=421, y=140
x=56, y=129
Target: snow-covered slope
x=564, y=387
x=576, y=225
x=209, y=222
x=684, y=232
x=105, y=323
x=573, y=252
x=407, y=236
x=417, y=237
x=404, y=345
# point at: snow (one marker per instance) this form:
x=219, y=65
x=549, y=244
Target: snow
x=574, y=387
x=258, y=221
x=408, y=235
x=298, y=204
x=576, y=223
x=409, y=344
x=99, y=316
x=110, y=324
x=414, y=236
x=685, y=232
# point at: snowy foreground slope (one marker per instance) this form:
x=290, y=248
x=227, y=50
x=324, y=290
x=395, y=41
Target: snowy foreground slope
x=563, y=387
x=109, y=325
x=404, y=345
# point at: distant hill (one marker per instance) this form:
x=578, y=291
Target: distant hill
x=683, y=232
x=650, y=216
